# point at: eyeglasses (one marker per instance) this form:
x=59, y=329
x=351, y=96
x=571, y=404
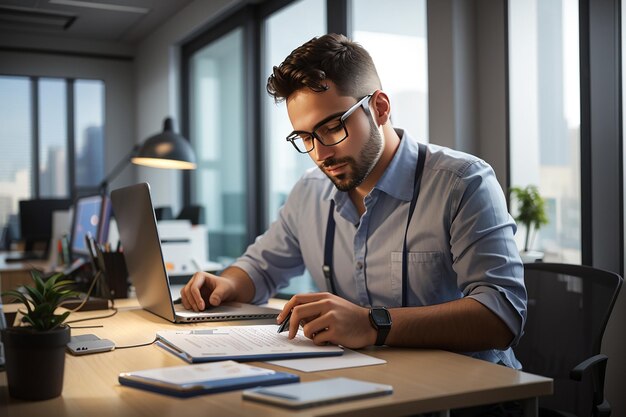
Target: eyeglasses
x=329, y=132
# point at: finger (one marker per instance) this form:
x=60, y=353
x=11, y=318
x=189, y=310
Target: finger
x=286, y=310
x=325, y=337
x=306, y=313
x=198, y=280
x=319, y=325
x=219, y=293
x=186, y=296
x=183, y=297
x=305, y=298
x=302, y=299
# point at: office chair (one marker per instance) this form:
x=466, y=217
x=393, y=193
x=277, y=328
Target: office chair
x=195, y=214
x=568, y=309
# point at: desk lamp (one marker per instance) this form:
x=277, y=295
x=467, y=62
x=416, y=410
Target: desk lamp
x=163, y=150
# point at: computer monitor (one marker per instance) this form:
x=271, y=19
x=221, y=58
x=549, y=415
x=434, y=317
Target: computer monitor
x=36, y=221
x=92, y=215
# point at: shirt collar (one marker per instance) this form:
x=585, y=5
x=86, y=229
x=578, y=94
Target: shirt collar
x=397, y=180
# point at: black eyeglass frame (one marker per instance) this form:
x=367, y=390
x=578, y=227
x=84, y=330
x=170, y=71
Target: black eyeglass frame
x=293, y=136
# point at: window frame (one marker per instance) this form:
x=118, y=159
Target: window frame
x=601, y=163
x=74, y=190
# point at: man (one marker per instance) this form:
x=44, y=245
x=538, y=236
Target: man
x=349, y=223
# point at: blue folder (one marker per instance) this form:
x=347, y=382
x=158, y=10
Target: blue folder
x=208, y=387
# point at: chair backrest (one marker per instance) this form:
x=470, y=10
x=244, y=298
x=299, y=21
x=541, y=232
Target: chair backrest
x=568, y=309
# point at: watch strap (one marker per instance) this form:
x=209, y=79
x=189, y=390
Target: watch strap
x=382, y=330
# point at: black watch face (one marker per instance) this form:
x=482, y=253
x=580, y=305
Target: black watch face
x=380, y=317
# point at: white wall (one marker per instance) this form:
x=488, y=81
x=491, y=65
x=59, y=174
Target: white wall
x=158, y=86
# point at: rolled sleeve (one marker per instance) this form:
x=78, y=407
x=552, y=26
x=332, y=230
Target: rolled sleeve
x=485, y=256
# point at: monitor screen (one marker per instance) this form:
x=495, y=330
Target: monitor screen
x=91, y=218
x=36, y=219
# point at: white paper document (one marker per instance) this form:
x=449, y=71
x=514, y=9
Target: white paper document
x=240, y=343
x=349, y=359
x=194, y=374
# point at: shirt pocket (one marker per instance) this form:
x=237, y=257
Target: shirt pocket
x=425, y=271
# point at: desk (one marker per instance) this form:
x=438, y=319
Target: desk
x=423, y=380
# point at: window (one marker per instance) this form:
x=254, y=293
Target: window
x=16, y=157
x=398, y=45
x=544, y=87
x=217, y=134
x=53, y=180
x=89, y=132
x=226, y=104
x=283, y=33
x=35, y=138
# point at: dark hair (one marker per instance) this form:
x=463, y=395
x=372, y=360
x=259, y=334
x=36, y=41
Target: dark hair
x=330, y=57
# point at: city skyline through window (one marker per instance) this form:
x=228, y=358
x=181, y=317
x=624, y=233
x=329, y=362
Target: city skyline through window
x=34, y=115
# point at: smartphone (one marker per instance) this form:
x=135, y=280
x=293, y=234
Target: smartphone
x=309, y=394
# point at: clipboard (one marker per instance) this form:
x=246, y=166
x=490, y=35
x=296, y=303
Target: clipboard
x=191, y=380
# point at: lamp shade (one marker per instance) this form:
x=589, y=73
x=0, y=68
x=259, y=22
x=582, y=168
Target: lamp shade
x=166, y=150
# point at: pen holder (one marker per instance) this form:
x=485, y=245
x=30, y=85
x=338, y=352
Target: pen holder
x=116, y=273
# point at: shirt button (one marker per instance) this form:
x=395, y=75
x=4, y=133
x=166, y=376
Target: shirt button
x=359, y=265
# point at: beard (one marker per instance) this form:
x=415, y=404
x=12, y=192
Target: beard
x=357, y=170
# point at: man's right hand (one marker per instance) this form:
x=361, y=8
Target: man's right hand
x=204, y=287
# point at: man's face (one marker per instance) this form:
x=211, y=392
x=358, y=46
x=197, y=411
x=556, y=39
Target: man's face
x=348, y=163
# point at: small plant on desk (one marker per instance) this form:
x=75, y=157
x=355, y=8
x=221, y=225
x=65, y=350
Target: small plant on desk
x=35, y=352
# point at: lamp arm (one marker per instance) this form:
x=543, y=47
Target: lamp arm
x=104, y=184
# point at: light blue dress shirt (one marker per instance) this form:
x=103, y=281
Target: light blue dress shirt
x=460, y=240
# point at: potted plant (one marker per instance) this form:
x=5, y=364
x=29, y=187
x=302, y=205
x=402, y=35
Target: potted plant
x=532, y=214
x=35, y=350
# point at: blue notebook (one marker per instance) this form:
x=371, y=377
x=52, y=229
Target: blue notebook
x=208, y=378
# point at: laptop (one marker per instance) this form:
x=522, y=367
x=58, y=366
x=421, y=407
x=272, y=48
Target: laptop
x=139, y=236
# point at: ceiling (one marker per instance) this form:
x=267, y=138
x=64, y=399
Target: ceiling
x=125, y=21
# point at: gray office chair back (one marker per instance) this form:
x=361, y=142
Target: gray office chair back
x=568, y=309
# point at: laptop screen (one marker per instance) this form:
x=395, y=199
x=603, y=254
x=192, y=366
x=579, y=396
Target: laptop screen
x=134, y=213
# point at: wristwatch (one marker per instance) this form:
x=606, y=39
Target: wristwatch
x=381, y=321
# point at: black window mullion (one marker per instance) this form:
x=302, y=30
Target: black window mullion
x=255, y=175
x=71, y=137
x=585, y=136
x=601, y=192
x=338, y=17
x=34, y=112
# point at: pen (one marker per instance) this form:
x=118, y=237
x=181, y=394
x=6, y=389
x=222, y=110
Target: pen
x=285, y=324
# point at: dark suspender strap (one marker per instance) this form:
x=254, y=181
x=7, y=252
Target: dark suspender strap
x=330, y=233
x=419, y=169
x=328, y=249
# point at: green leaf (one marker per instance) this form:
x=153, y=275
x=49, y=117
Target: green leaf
x=43, y=298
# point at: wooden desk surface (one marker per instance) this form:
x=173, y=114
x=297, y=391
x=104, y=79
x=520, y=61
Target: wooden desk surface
x=423, y=380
